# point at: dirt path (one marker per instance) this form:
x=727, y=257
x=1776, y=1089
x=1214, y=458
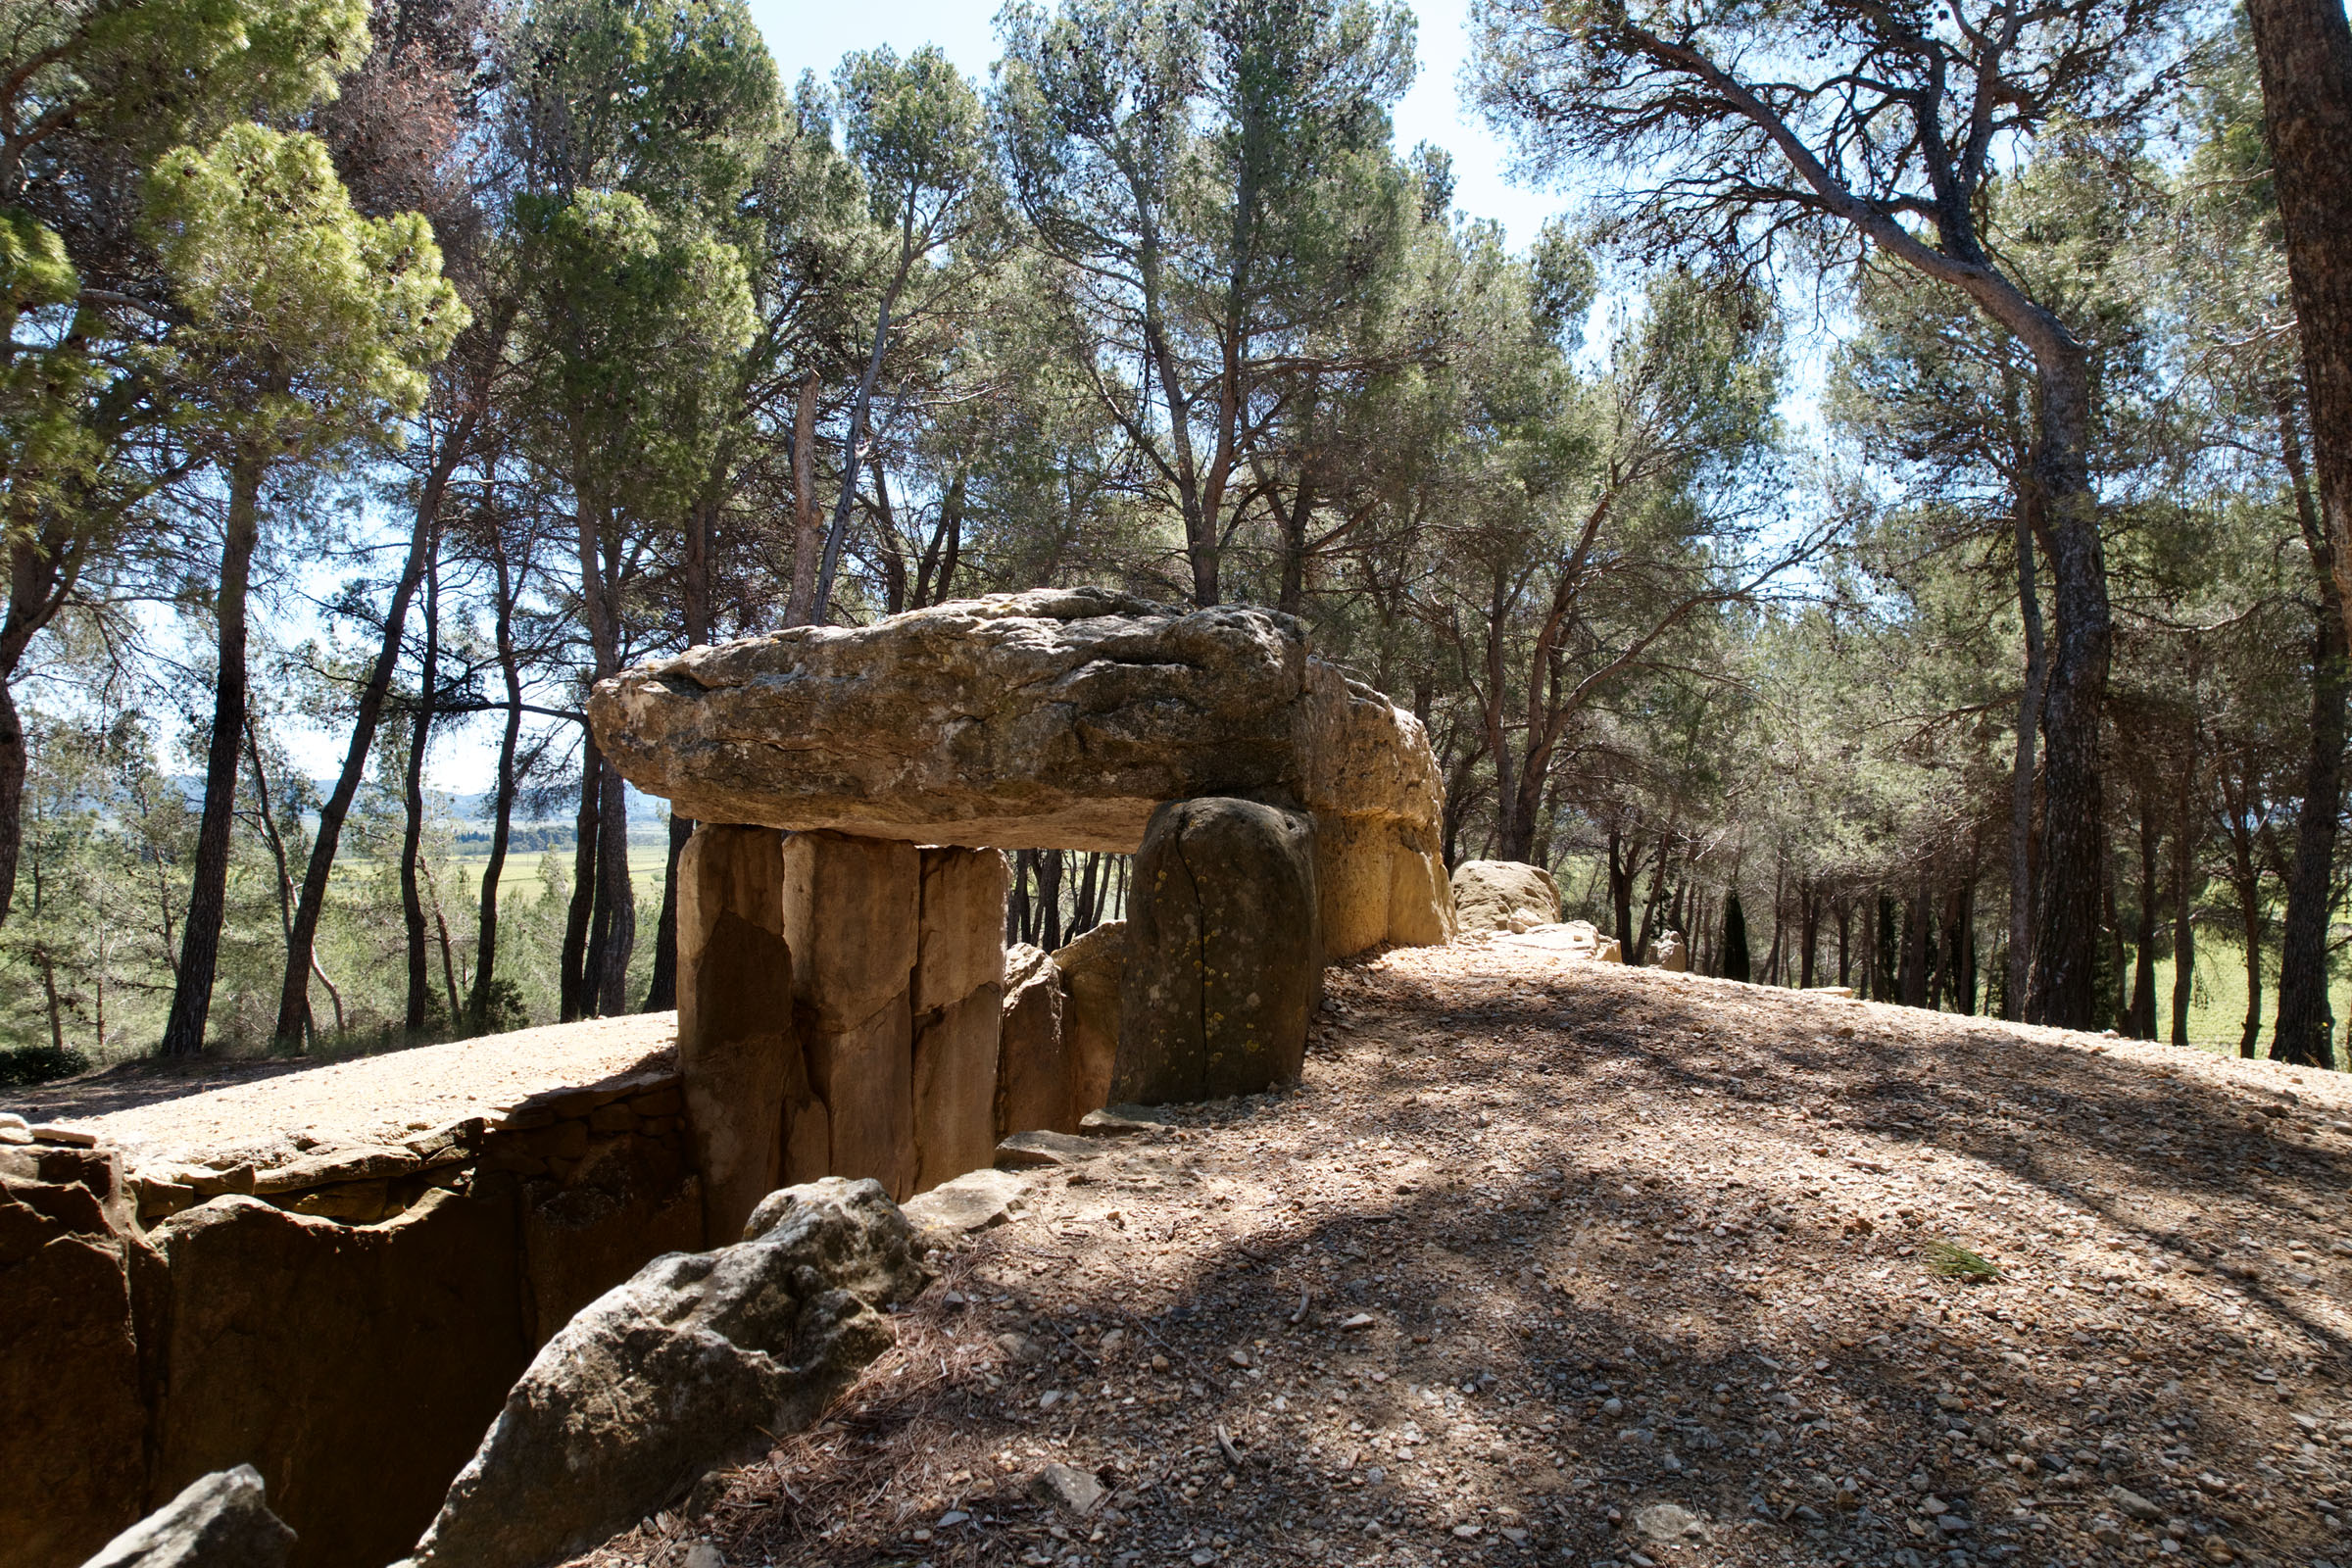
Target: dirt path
x=1557, y=1262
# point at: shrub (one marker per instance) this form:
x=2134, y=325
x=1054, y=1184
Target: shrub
x=26, y=1065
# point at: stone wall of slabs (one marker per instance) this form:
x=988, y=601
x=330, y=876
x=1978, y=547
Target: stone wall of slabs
x=347, y=1321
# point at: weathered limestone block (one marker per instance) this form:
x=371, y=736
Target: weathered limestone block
x=1052, y=719
x=73, y=1461
x=956, y=1087
x=219, y=1521
x=1224, y=954
x=738, y=1053
x=1504, y=896
x=699, y=1359
x=1420, y=896
x=960, y=945
x=1093, y=969
x=629, y=1199
x=958, y=1011
x=1673, y=956
x=356, y=1367
x=852, y=919
x=1034, y=1087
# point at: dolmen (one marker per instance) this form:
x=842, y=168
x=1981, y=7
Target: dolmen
x=845, y=1003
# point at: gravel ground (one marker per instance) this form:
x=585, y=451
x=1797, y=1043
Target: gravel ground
x=1550, y=1262
x=220, y=1111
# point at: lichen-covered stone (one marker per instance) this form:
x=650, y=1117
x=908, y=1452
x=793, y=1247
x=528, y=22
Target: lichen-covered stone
x=219, y=1521
x=702, y=1358
x=1224, y=957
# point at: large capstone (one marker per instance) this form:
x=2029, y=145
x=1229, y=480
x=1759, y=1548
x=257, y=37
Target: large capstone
x=1059, y=718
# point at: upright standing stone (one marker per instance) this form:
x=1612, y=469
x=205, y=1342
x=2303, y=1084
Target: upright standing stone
x=851, y=910
x=1504, y=896
x=738, y=1055
x=1033, y=1074
x=958, y=1012
x=1224, y=952
x=1093, y=974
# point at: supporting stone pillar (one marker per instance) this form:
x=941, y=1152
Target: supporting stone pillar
x=1033, y=1075
x=851, y=910
x=738, y=1059
x=958, y=1012
x=1224, y=957
x=1093, y=969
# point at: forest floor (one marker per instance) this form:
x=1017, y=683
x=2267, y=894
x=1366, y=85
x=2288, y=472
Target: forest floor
x=1550, y=1262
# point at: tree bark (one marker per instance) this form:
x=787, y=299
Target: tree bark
x=2021, y=780
x=2305, y=1029
x=2141, y=1025
x=208, y=890
x=485, y=941
x=2063, y=982
x=2303, y=50
x=807, y=539
x=575, y=998
x=420, y=729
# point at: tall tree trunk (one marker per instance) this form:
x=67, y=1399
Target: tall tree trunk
x=2021, y=779
x=2305, y=1030
x=2245, y=880
x=208, y=888
x=575, y=996
x=2303, y=50
x=2141, y=1025
x=1915, y=949
x=42, y=568
x=294, y=991
x=420, y=729
x=661, y=986
x=2184, y=943
x=510, y=669
x=618, y=897
x=807, y=540
x=837, y=534
x=2064, y=979
x=1845, y=926
x=1810, y=933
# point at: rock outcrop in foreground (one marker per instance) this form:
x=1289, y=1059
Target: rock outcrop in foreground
x=1058, y=718
x=219, y=1521
x=699, y=1359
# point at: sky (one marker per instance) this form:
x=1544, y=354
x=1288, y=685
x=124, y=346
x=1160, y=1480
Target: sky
x=808, y=36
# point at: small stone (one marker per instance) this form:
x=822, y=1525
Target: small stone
x=1669, y=1524
x=1067, y=1488
x=1160, y=1362
x=952, y=1518
x=1361, y=1320
x=1465, y=1532
x=70, y=1137
x=1020, y=1347
x=703, y=1554
x=2133, y=1503
x=2216, y=1549
x=1050, y=1398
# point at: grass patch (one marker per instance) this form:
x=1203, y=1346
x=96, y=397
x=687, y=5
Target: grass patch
x=1953, y=1262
